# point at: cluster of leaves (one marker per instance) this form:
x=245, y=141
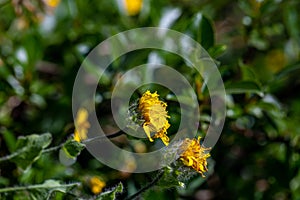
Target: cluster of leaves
x=255, y=44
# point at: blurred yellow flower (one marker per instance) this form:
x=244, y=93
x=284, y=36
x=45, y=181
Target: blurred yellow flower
x=275, y=60
x=155, y=115
x=96, y=185
x=81, y=125
x=52, y=3
x=194, y=155
x=133, y=7
x=129, y=164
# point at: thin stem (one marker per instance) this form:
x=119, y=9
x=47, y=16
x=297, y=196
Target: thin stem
x=53, y=148
x=150, y=185
x=8, y=157
x=39, y=186
x=120, y=132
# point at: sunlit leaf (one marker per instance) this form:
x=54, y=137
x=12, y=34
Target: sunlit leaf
x=287, y=71
x=242, y=87
x=292, y=19
x=29, y=149
x=203, y=30
x=47, y=190
x=169, y=178
x=73, y=148
x=217, y=50
x=111, y=194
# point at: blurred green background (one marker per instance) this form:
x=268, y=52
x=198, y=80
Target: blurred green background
x=255, y=43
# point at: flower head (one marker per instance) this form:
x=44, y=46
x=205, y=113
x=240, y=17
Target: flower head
x=96, y=185
x=194, y=155
x=52, y=3
x=133, y=7
x=155, y=116
x=81, y=125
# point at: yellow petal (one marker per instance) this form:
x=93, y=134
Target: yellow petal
x=165, y=140
x=76, y=136
x=82, y=116
x=190, y=161
x=147, y=131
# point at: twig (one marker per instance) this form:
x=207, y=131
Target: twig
x=55, y=148
x=10, y=156
x=151, y=184
x=120, y=132
x=32, y=187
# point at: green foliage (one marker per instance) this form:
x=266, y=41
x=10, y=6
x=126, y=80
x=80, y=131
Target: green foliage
x=256, y=46
x=29, y=149
x=73, y=148
x=243, y=87
x=170, y=178
x=50, y=189
x=111, y=194
x=203, y=31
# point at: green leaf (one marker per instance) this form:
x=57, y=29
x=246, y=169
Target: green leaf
x=287, y=71
x=73, y=148
x=49, y=188
x=52, y=186
x=292, y=19
x=10, y=139
x=248, y=73
x=170, y=178
x=193, y=179
x=242, y=87
x=203, y=30
x=29, y=149
x=217, y=50
x=111, y=194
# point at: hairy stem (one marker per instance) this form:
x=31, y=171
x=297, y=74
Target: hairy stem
x=117, y=134
x=10, y=156
x=32, y=187
x=53, y=148
x=150, y=185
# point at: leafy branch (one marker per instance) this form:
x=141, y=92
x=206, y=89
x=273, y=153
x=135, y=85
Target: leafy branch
x=50, y=184
x=28, y=143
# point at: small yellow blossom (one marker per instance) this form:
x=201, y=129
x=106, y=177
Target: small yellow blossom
x=129, y=164
x=194, y=155
x=133, y=7
x=52, y=3
x=275, y=60
x=81, y=125
x=96, y=185
x=155, y=115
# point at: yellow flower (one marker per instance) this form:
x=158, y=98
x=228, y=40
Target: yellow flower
x=194, y=155
x=96, y=185
x=52, y=3
x=155, y=115
x=81, y=125
x=275, y=60
x=133, y=7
